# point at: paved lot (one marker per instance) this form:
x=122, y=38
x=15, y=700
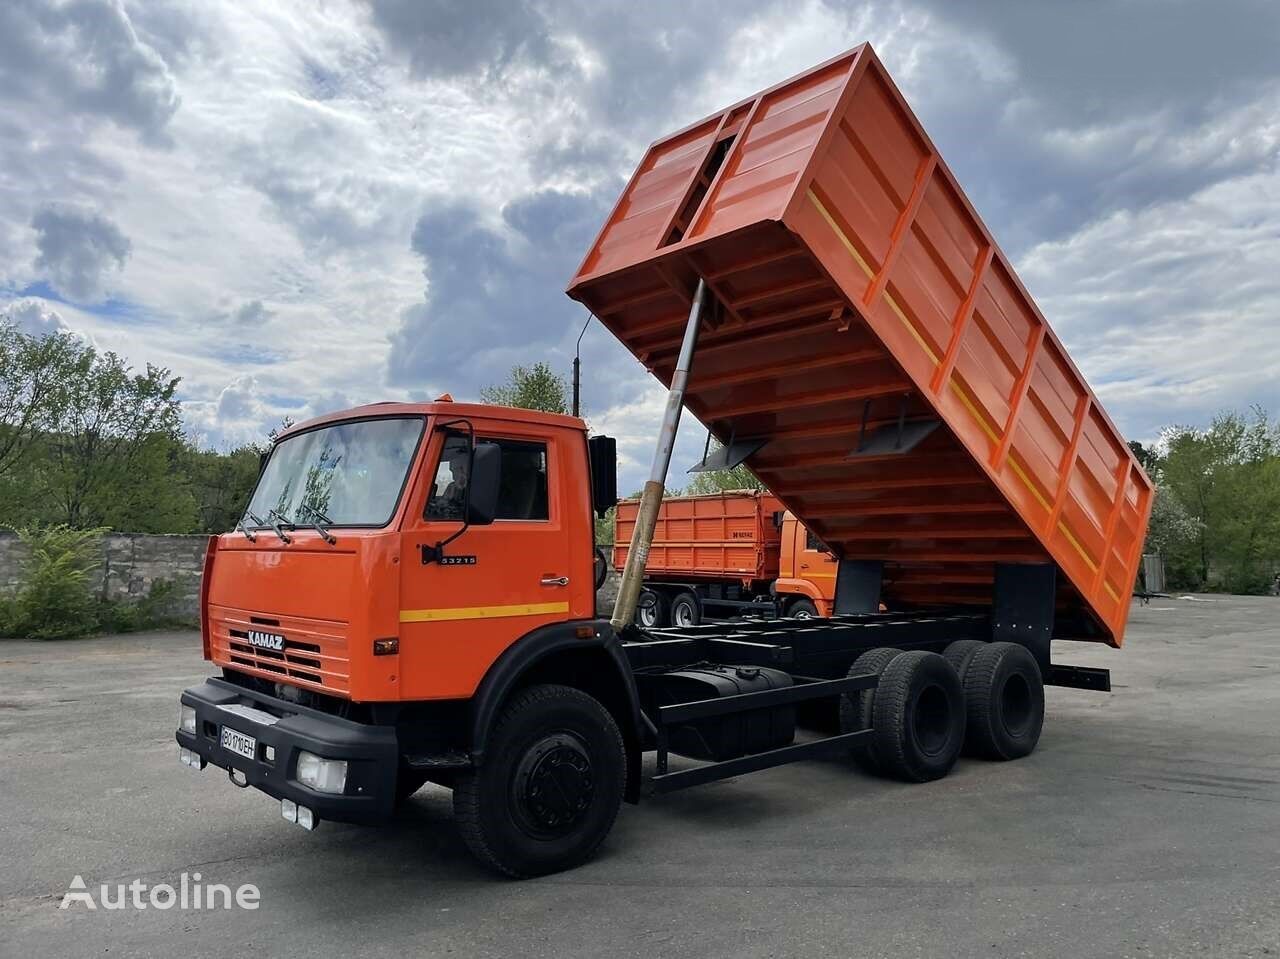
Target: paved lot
x=1148, y=823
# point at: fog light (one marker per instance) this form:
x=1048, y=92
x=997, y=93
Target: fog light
x=289, y=810
x=307, y=819
x=269, y=753
x=322, y=775
x=187, y=719
x=190, y=758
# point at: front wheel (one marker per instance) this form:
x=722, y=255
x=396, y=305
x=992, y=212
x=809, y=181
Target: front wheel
x=550, y=786
x=651, y=610
x=803, y=609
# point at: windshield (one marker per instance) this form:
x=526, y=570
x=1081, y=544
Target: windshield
x=350, y=474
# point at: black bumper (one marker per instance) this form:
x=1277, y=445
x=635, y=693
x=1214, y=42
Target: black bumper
x=372, y=752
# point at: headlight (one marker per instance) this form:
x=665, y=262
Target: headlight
x=187, y=719
x=323, y=775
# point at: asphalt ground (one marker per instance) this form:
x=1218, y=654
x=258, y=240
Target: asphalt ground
x=1146, y=824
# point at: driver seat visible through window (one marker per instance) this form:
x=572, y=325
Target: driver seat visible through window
x=522, y=489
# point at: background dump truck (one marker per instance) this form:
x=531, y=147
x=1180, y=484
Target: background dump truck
x=410, y=596
x=721, y=555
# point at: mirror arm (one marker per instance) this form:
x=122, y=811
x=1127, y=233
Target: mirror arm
x=433, y=554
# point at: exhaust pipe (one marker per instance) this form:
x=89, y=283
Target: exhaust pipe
x=624, y=609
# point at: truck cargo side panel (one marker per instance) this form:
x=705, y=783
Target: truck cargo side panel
x=858, y=293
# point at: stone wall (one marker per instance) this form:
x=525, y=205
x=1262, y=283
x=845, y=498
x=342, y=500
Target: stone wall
x=607, y=594
x=130, y=563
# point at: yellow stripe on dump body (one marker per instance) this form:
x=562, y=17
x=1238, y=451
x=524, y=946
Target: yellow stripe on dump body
x=480, y=612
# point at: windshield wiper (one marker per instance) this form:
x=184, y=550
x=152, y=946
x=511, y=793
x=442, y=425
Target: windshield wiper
x=258, y=522
x=320, y=522
x=276, y=521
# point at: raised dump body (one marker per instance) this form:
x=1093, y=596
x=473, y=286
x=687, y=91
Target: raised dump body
x=911, y=404
x=733, y=535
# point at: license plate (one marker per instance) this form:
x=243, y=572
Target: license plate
x=239, y=743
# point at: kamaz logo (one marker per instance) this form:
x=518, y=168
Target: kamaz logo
x=265, y=640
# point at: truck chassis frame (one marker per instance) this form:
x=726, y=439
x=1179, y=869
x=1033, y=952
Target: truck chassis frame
x=818, y=654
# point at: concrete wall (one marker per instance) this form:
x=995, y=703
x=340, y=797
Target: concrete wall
x=130, y=563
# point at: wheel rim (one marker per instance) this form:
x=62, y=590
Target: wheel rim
x=683, y=614
x=1015, y=705
x=553, y=786
x=647, y=614
x=802, y=614
x=931, y=720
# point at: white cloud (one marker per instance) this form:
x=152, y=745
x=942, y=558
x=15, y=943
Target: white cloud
x=33, y=317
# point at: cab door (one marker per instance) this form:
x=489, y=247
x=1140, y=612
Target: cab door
x=492, y=584
x=815, y=564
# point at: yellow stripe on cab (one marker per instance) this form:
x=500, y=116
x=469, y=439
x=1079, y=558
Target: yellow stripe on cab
x=480, y=612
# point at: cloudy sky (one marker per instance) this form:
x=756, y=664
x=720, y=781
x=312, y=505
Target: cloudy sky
x=302, y=206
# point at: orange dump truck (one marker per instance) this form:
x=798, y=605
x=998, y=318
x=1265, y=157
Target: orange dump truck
x=721, y=555
x=410, y=595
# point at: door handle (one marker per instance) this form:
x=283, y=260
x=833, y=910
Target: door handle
x=555, y=581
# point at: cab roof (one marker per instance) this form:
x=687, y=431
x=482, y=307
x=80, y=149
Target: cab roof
x=445, y=408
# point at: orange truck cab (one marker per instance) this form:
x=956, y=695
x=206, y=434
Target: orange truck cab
x=806, y=570
x=410, y=595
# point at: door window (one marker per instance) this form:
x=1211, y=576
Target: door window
x=522, y=486
x=522, y=490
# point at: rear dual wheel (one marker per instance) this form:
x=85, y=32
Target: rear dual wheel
x=685, y=610
x=1004, y=701
x=916, y=714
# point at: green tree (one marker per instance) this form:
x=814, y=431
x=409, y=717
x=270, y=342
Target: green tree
x=221, y=484
x=531, y=388
x=1174, y=535
x=113, y=454
x=1227, y=478
x=29, y=377
x=1147, y=457
x=605, y=527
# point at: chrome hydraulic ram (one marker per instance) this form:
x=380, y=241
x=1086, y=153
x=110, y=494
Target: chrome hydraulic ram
x=647, y=516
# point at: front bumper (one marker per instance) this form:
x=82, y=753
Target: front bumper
x=372, y=752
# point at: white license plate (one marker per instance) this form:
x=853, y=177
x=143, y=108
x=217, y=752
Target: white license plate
x=239, y=743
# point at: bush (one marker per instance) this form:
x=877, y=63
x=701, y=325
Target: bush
x=158, y=608
x=55, y=600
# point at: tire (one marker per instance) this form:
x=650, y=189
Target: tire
x=1004, y=696
x=651, y=609
x=856, y=708
x=960, y=652
x=547, y=737
x=803, y=609
x=685, y=610
x=919, y=724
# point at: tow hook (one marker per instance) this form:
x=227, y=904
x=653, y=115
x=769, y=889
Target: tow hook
x=238, y=778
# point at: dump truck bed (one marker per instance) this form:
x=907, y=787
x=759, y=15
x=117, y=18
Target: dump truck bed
x=730, y=535
x=911, y=403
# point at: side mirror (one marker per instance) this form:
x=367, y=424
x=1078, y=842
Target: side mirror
x=602, y=451
x=482, y=490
